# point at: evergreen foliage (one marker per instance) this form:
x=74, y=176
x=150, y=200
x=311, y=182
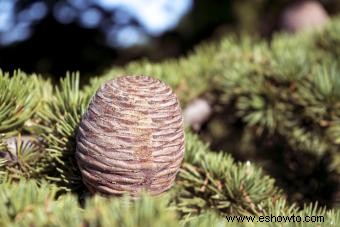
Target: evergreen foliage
x=209, y=180
x=287, y=98
x=286, y=92
x=60, y=119
x=18, y=103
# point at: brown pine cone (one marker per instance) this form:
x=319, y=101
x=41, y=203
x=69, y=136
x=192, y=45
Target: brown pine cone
x=131, y=137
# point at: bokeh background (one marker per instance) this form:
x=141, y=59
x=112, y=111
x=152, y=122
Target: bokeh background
x=51, y=37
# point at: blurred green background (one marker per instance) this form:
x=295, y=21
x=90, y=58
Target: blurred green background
x=90, y=36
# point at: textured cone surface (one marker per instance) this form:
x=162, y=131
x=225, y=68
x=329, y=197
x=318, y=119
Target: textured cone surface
x=131, y=137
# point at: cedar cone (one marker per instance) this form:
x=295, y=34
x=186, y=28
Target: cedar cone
x=303, y=15
x=131, y=137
